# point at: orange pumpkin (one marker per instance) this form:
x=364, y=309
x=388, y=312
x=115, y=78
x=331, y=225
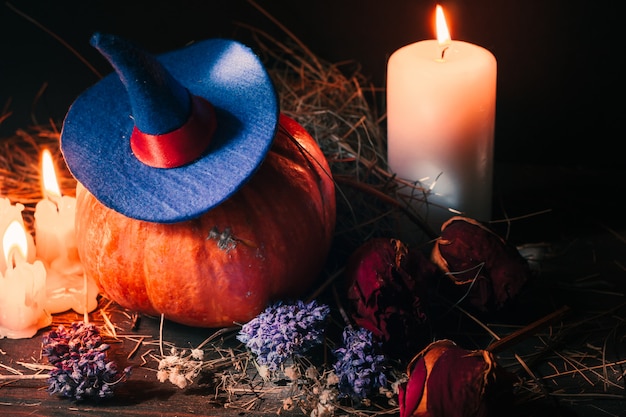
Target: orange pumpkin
x=268, y=241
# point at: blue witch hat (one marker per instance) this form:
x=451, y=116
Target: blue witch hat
x=165, y=139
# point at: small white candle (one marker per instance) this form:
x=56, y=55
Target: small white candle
x=8, y=214
x=22, y=288
x=441, y=103
x=55, y=236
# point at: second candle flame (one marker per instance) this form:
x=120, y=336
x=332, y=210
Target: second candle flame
x=443, y=35
x=48, y=174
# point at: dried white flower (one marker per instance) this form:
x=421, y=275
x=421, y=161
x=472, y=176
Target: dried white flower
x=177, y=379
x=264, y=372
x=292, y=372
x=197, y=354
x=325, y=406
x=323, y=410
x=179, y=369
x=312, y=373
x=168, y=361
x=332, y=379
x=288, y=404
x=328, y=396
x=162, y=375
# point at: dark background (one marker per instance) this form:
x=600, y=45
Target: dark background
x=560, y=75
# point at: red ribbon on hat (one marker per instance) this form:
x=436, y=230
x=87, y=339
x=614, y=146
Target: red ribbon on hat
x=181, y=146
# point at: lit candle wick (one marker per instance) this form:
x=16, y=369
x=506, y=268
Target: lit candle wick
x=443, y=34
x=50, y=183
x=443, y=52
x=14, y=252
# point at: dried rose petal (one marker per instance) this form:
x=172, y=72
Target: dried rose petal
x=480, y=262
x=387, y=293
x=448, y=381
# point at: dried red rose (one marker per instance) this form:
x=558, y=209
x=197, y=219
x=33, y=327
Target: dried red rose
x=448, y=381
x=482, y=264
x=387, y=292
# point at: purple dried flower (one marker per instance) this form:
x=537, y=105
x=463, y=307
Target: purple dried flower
x=82, y=369
x=283, y=330
x=79, y=338
x=359, y=366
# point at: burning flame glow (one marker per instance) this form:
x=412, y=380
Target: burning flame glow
x=443, y=35
x=49, y=177
x=14, y=239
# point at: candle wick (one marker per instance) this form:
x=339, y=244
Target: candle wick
x=443, y=52
x=54, y=198
x=15, y=256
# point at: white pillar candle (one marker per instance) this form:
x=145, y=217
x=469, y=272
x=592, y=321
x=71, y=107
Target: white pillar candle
x=55, y=216
x=55, y=236
x=54, y=231
x=22, y=288
x=441, y=102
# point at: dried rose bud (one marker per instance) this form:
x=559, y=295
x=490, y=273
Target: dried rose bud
x=448, y=381
x=480, y=263
x=386, y=289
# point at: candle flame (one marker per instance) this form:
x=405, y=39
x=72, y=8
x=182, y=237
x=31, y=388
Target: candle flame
x=443, y=35
x=14, y=239
x=48, y=174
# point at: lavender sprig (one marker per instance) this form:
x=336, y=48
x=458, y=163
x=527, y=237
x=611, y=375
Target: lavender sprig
x=82, y=370
x=359, y=366
x=283, y=330
x=79, y=338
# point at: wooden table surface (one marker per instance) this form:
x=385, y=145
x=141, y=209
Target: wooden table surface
x=576, y=228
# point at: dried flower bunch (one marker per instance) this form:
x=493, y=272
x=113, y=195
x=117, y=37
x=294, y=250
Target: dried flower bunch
x=179, y=367
x=284, y=330
x=82, y=369
x=360, y=365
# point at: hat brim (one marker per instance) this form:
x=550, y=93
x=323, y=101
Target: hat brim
x=95, y=138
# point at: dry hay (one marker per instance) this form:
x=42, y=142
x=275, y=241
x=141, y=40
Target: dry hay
x=337, y=105
x=20, y=167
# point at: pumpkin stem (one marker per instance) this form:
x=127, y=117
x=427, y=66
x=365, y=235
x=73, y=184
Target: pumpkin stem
x=225, y=240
